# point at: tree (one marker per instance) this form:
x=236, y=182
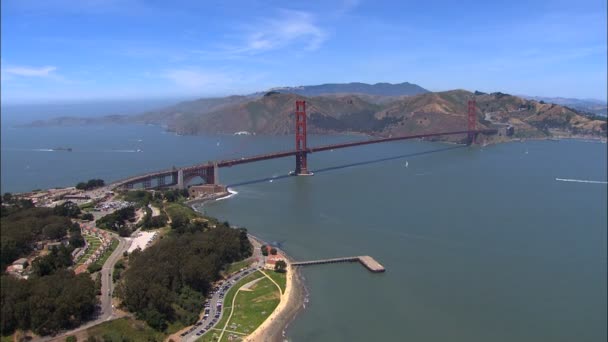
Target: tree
x=7, y=197
x=280, y=266
x=71, y=338
x=76, y=239
x=273, y=251
x=264, y=250
x=87, y=217
x=54, y=231
x=67, y=209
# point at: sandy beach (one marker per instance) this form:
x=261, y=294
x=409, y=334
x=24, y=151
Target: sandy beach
x=273, y=328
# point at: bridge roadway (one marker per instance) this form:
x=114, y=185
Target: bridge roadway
x=283, y=154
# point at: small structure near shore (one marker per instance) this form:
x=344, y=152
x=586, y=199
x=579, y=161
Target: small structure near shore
x=206, y=189
x=370, y=263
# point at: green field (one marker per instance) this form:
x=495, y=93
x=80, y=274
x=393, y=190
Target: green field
x=107, y=253
x=125, y=329
x=236, y=266
x=176, y=209
x=8, y=338
x=228, y=302
x=87, y=206
x=280, y=278
x=251, y=308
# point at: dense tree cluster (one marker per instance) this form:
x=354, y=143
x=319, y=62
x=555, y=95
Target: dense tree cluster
x=153, y=222
x=117, y=221
x=58, y=259
x=46, y=304
x=168, y=280
x=173, y=195
x=91, y=184
x=68, y=209
x=23, y=225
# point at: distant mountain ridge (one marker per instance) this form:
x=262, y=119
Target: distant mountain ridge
x=587, y=105
x=383, y=89
x=336, y=110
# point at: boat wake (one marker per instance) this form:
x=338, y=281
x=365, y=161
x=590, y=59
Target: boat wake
x=123, y=151
x=232, y=193
x=28, y=149
x=580, y=181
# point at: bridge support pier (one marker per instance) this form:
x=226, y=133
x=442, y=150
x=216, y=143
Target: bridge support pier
x=216, y=174
x=180, y=179
x=301, y=165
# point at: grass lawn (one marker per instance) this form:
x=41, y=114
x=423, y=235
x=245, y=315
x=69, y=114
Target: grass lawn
x=251, y=308
x=94, y=243
x=280, y=278
x=8, y=338
x=126, y=329
x=228, y=302
x=107, y=253
x=176, y=209
x=88, y=205
x=236, y=266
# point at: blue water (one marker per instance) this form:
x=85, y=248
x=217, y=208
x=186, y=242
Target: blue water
x=480, y=244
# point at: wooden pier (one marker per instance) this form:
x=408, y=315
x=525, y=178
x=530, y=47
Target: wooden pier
x=370, y=263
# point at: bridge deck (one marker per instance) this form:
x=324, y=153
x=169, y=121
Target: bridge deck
x=370, y=263
x=283, y=154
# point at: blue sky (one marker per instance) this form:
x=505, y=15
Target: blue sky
x=56, y=50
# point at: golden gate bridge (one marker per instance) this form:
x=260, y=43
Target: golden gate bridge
x=209, y=171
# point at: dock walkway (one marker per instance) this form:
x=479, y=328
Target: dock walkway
x=370, y=263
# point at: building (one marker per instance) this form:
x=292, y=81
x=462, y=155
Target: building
x=205, y=189
x=271, y=261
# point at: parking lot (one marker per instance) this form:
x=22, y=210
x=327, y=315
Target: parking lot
x=213, y=306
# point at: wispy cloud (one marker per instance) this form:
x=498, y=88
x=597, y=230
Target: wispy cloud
x=288, y=28
x=27, y=71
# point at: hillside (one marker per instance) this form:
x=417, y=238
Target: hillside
x=429, y=112
x=273, y=113
x=592, y=106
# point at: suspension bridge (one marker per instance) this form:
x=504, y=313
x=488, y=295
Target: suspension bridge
x=209, y=171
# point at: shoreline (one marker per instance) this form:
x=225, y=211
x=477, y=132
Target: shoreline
x=292, y=301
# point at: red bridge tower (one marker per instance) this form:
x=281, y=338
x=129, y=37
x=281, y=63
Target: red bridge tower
x=301, y=149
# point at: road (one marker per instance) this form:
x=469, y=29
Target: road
x=106, y=311
x=211, y=321
x=107, y=285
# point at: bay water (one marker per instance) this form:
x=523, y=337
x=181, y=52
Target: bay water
x=479, y=243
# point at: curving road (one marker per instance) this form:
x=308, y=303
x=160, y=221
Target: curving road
x=106, y=310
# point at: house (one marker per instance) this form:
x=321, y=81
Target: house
x=271, y=261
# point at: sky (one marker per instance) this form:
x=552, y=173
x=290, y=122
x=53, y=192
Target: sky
x=65, y=50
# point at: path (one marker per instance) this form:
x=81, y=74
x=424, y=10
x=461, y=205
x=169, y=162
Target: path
x=272, y=280
x=106, y=311
x=234, y=300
